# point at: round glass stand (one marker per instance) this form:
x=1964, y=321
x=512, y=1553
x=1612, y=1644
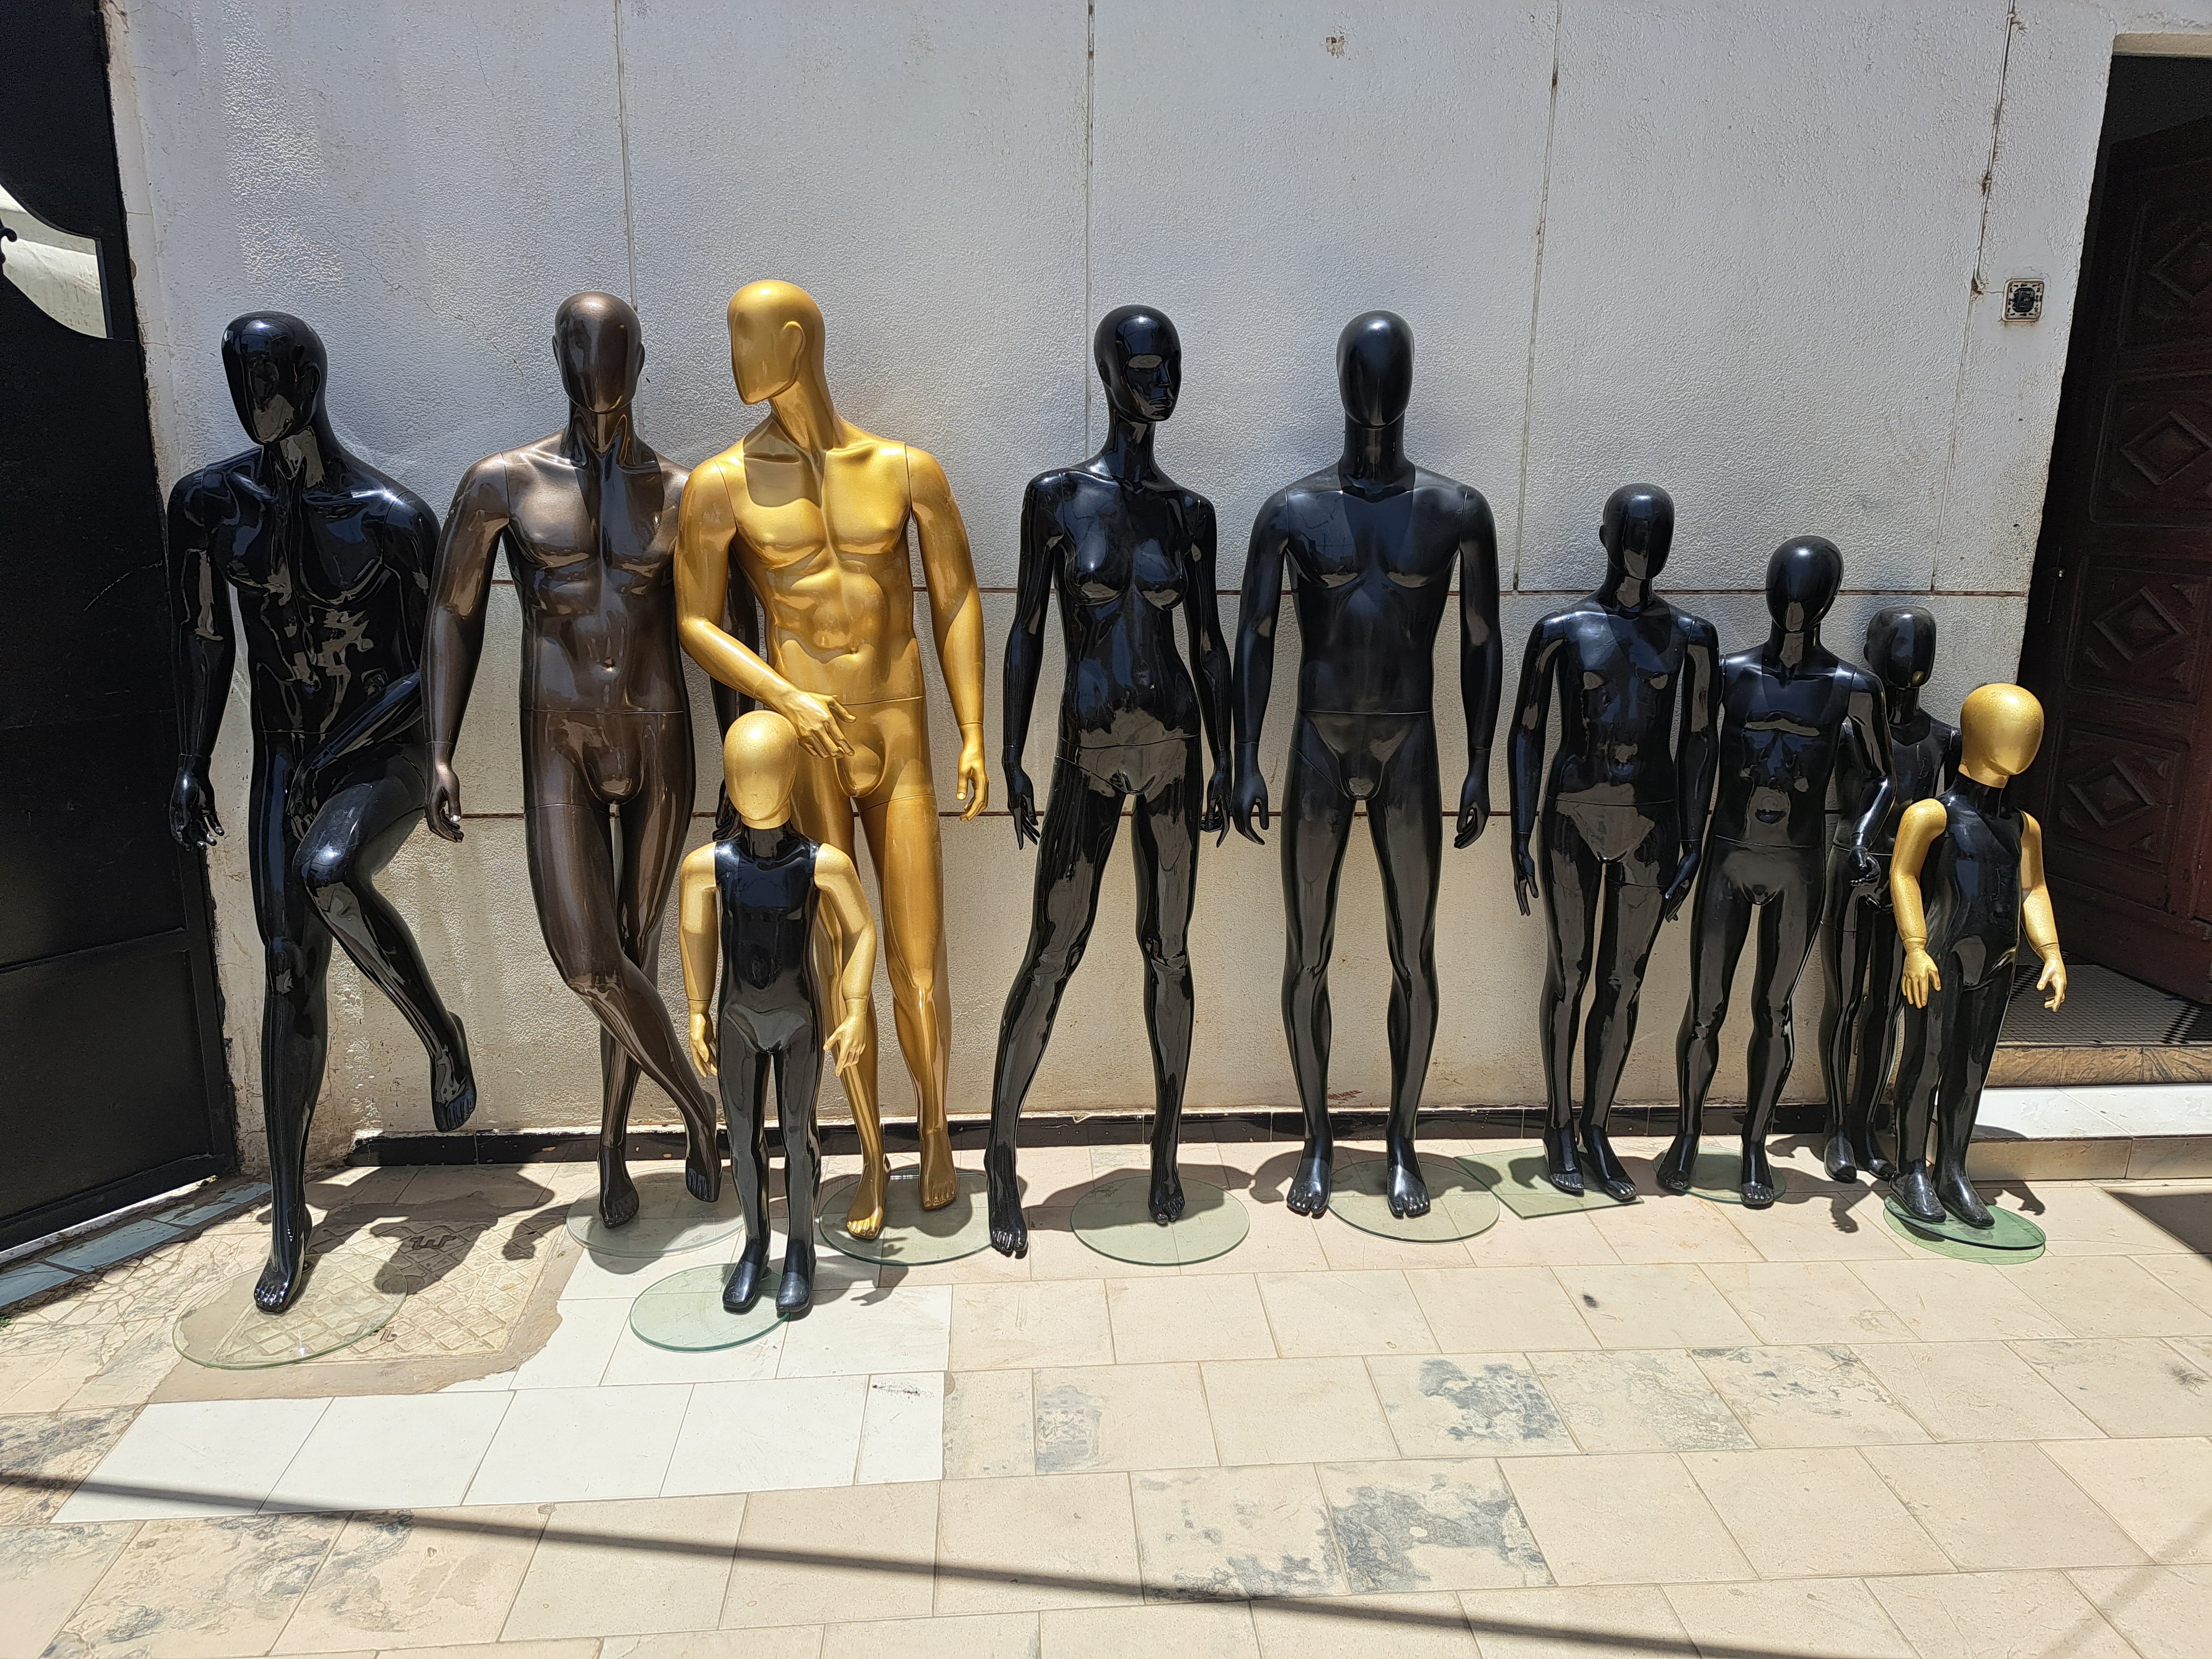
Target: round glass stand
x=1718, y=1176
x=1459, y=1207
x=1115, y=1219
x=2010, y=1231
x=669, y=1220
x=1957, y=1251
x=1517, y=1179
x=341, y=1302
x=684, y=1311
x=912, y=1237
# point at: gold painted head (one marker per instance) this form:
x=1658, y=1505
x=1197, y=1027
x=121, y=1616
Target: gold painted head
x=2000, y=729
x=775, y=338
x=760, y=764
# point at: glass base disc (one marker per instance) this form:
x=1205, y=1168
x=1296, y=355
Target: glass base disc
x=1115, y=1219
x=912, y=1237
x=1957, y=1251
x=1718, y=1176
x=669, y=1220
x=684, y=1310
x=1518, y=1181
x=2011, y=1231
x=341, y=1302
x=1459, y=1207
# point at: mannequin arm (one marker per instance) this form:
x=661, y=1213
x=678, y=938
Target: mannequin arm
x=1481, y=667
x=1924, y=822
x=1524, y=753
x=453, y=643
x=2041, y=927
x=1209, y=659
x=1025, y=661
x=956, y=614
x=204, y=646
x=1697, y=749
x=1255, y=673
x=855, y=933
x=1870, y=715
x=699, y=926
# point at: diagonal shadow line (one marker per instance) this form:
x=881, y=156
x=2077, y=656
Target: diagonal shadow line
x=1119, y=1589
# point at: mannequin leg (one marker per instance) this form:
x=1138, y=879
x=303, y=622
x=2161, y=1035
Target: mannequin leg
x=1633, y=912
x=909, y=859
x=1720, y=917
x=1573, y=878
x=1316, y=827
x=1980, y=1017
x=1877, y=1028
x=1789, y=928
x=1405, y=819
x=1165, y=835
x=1079, y=822
x=1844, y=978
x=1919, y=1074
x=798, y=1074
x=743, y=1069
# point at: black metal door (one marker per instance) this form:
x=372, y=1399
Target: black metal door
x=112, y=1082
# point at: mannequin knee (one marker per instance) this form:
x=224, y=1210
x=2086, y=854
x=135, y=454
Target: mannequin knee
x=915, y=984
x=327, y=873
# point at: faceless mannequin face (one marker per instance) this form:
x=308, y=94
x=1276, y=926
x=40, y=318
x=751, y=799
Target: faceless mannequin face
x=276, y=370
x=1637, y=529
x=2000, y=729
x=1901, y=647
x=600, y=350
x=775, y=329
x=760, y=764
x=1140, y=361
x=1802, y=581
x=1375, y=368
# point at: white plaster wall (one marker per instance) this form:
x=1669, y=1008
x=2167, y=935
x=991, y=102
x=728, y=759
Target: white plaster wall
x=1733, y=249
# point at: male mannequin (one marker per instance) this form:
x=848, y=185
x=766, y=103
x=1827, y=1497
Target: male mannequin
x=1624, y=809
x=814, y=512
x=1860, y=952
x=331, y=562
x=1125, y=545
x=753, y=895
x=1784, y=707
x=589, y=520
x=1371, y=544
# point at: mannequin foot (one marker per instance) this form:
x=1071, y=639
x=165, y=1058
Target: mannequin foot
x=1560, y=1167
x=1757, y=1177
x=1677, y=1163
x=1958, y=1195
x=864, y=1219
x=1605, y=1165
x=744, y=1287
x=1166, y=1195
x=1309, y=1193
x=1842, y=1162
x=1402, y=1184
x=453, y=1083
x=1914, y=1194
x=286, y=1273
x=702, y=1165
x=617, y=1192
x=940, y=1181
x=1010, y=1229
x=796, y=1294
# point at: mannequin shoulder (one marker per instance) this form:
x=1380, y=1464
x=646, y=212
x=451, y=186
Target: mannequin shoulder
x=699, y=863
x=1693, y=630
x=1925, y=820
x=206, y=493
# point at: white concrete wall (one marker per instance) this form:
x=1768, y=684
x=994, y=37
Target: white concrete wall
x=1733, y=249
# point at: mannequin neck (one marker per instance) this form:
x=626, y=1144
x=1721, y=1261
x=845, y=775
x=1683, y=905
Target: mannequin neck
x=305, y=456
x=1623, y=592
x=805, y=413
x=765, y=838
x=1792, y=648
x=1904, y=706
x=1128, y=454
x=1374, y=455
x=599, y=435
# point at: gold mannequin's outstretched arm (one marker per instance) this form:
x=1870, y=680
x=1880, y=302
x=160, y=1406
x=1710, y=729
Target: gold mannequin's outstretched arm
x=956, y=613
x=855, y=935
x=699, y=927
x=2041, y=927
x=1923, y=820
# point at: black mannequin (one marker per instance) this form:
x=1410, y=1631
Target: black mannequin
x=1859, y=948
x=1371, y=543
x=1124, y=545
x=331, y=562
x=1623, y=809
x=1784, y=705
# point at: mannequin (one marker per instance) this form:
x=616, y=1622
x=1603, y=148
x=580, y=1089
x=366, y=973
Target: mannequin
x=1371, y=543
x=1785, y=707
x=1967, y=880
x=813, y=512
x=756, y=895
x=1624, y=810
x=1124, y=545
x=330, y=562
x=1860, y=952
x=589, y=520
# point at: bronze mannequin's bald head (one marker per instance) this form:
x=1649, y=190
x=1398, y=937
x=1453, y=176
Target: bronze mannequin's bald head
x=759, y=763
x=600, y=349
x=775, y=337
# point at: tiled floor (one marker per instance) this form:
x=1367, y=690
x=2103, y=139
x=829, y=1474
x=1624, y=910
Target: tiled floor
x=1678, y=1427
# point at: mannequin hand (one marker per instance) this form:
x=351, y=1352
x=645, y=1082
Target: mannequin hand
x=1685, y=874
x=1524, y=874
x=1216, y=816
x=1866, y=872
x=975, y=785
x=1021, y=804
x=820, y=722
x=193, y=818
x=1474, y=810
x=1921, y=977
x=702, y=1041
x=848, y=1042
x=443, y=810
x=2053, y=980
x=1249, y=804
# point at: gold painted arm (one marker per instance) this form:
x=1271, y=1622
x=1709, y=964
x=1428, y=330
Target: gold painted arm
x=1923, y=820
x=699, y=928
x=855, y=933
x=956, y=614
x=2042, y=927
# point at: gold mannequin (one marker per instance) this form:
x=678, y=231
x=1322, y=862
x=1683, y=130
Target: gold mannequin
x=1966, y=881
x=813, y=512
x=751, y=901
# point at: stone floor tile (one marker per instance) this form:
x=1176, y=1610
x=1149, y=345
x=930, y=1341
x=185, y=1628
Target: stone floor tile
x=2002, y=1504
x=42, y=1459
x=1821, y=1617
x=906, y=1329
x=835, y=1556
x=1553, y=1241
x=2082, y=1212
x=902, y=1429
x=784, y=1641
x=1055, y=1252
x=2158, y=1491
x=1438, y=1524
x=199, y=1588
x=1214, y=1316
x=1818, y=1221
x=420, y=1579
x=2109, y=1296
x=2188, y=1277
x=1622, y=1518
x=613, y=1443
x=633, y=1567
x=1666, y=1228
x=1029, y=1544
x=597, y=1278
x=1818, y=1395
x=1281, y=1241
x=1057, y=1177
x=205, y=1457
x=766, y=1437
x=982, y=1267
x=633, y=1360
x=1025, y=1325
x=1197, y=1630
x=2123, y=1387
x=1467, y=1405
x=1945, y=1301
x=1499, y=1309
x=1122, y=1417
x=978, y=1636
x=1354, y=1249
x=391, y=1452
x=1637, y=1401
x=1998, y=1615
x=1418, y=1627
x=574, y=1647
x=990, y=1425
x=1811, y=1511
x=1787, y=1301
x=2163, y=1612
x=1295, y=1411
x=117, y=1244
x=1318, y=1315
x=132, y=1360
x=1974, y=1391
x=1582, y=1623
x=576, y=1355
x=1234, y=1533
x=1671, y=1305
x=29, y=1279
x=44, y=1571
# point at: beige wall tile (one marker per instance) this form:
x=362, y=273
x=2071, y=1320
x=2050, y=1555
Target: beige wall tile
x=1813, y=1395
x=1669, y=1306
x=637, y=1567
x=1493, y=1310
x=2158, y=1491
x=1467, y=1405
x=1803, y=1512
x=1169, y=1317
x=439, y=1577
x=1057, y=1322
x=1121, y=1417
x=1998, y=1615
x=1974, y=1391
x=2001, y=1504
x=1630, y=1518
x=832, y=1555
x=1234, y=1533
x=1295, y=1411
x=1026, y=1545
x=1816, y=1617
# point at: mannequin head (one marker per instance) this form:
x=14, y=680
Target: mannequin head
x=2000, y=729
x=1375, y=368
x=1638, y=530
x=277, y=369
x=759, y=763
x=1140, y=361
x=776, y=339
x=600, y=350
x=1802, y=581
x=1901, y=647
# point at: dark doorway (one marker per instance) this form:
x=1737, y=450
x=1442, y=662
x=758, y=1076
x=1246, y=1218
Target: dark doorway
x=111, y=1084
x=2118, y=642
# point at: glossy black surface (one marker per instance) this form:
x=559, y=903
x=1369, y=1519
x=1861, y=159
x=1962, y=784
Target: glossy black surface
x=764, y=878
x=1861, y=957
x=1785, y=706
x=1622, y=812
x=330, y=561
x=1371, y=545
x=1124, y=547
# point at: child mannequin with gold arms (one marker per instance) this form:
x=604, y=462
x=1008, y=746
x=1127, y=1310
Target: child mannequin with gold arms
x=756, y=896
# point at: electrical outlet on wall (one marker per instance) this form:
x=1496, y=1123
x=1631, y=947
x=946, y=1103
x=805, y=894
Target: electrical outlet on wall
x=2023, y=299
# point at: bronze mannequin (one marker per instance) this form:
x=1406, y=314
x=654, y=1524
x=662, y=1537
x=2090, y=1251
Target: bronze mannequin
x=589, y=520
